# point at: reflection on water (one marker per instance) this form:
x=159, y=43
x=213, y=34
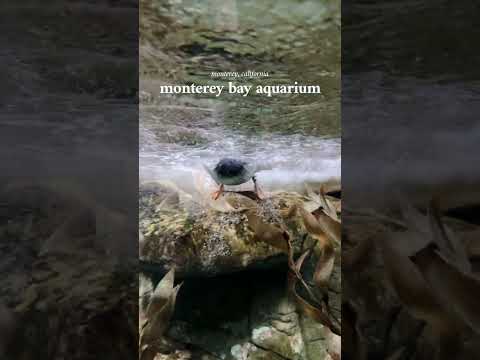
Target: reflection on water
x=295, y=137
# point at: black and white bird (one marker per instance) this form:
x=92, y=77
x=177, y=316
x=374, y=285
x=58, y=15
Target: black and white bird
x=232, y=172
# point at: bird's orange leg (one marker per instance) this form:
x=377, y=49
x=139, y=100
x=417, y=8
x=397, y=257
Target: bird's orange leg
x=217, y=193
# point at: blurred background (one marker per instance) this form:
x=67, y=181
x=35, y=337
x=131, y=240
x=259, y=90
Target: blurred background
x=410, y=184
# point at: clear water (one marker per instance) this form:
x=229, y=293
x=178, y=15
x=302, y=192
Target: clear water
x=296, y=139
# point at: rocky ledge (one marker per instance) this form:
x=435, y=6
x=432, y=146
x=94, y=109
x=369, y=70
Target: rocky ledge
x=231, y=258
x=206, y=237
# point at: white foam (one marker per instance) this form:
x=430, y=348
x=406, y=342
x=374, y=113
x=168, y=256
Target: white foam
x=284, y=161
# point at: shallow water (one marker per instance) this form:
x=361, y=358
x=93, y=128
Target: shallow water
x=287, y=161
x=295, y=138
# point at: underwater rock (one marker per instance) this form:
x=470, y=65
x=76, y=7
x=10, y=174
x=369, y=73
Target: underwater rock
x=199, y=240
x=61, y=287
x=276, y=327
x=230, y=254
x=245, y=316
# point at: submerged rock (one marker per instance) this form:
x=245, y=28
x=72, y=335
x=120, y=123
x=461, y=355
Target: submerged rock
x=244, y=316
x=200, y=240
x=234, y=303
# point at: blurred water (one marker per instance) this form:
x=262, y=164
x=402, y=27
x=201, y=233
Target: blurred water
x=410, y=101
x=69, y=112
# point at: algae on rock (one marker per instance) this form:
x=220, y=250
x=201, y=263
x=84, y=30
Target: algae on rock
x=199, y=240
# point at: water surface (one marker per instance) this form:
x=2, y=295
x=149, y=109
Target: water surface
x=294, y=137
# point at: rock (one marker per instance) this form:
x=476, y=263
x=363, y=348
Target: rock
x=199, y=240
x=314, y=338
x=234, y=303
x=76, y=299
x=248, y=351
x=244, y=317
x=275, y=325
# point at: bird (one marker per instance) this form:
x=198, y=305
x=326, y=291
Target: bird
x=232, y=172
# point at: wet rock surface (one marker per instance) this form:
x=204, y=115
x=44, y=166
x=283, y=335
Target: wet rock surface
x=233, y=303
x=177, y=232
x=243, y=316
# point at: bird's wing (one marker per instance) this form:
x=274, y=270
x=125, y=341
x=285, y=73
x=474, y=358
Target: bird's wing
x=211, y=173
